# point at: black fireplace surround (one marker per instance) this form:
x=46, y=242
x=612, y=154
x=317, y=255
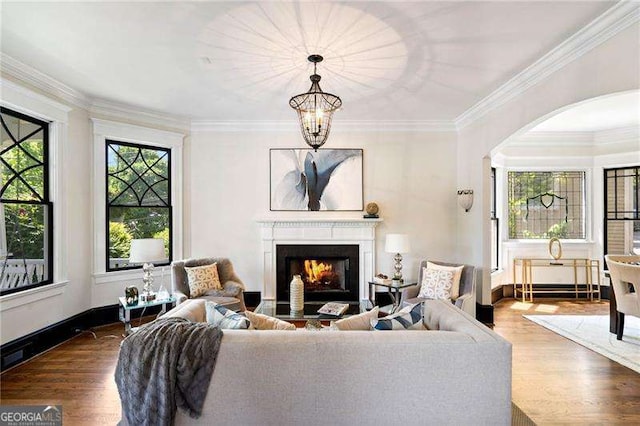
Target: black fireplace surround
x=343, y=285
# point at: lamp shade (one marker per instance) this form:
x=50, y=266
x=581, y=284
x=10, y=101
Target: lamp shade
x=397, y=243
x=147, y=250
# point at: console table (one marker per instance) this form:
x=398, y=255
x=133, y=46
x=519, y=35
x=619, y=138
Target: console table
x=527, y=288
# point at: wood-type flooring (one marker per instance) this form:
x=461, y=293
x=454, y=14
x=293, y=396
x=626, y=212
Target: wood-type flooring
x=555, y=381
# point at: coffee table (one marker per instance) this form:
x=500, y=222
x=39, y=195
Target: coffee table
x=281, y=310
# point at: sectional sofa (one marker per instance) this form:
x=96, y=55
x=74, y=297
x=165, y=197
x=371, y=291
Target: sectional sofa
x=456, y=372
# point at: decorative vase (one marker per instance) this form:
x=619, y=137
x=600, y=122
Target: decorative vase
x=296, y=294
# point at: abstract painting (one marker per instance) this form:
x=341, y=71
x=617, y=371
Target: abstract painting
x=308, y=180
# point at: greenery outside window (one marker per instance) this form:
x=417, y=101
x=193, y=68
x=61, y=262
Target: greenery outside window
x=546, y=204
x=26, y=212
x=138, y=199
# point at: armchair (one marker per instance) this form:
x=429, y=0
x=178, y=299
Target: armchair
x=232, y=293
x=625, y=274
x=467, y=299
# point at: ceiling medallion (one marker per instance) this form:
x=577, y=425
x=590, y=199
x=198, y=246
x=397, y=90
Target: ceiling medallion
x=315, y=109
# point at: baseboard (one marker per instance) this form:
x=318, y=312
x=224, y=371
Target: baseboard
x=497, y=294
x=484, y=313
x=506, y=292
x=26, y=347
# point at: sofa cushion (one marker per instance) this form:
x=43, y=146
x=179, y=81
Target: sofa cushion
x=436, y=284
x=265, y=322
x=356, y=322
x=457, y=273
x=202, y=279
x=408, y=318
x=224, y=318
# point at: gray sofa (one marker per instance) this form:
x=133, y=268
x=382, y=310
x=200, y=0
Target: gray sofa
x=456, y=373
x=467, y=299
x=232, y=293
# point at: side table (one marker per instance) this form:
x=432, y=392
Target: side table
x=125, y=310
x=393, y=290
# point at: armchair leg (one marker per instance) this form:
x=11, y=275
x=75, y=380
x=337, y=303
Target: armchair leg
x=620, y=325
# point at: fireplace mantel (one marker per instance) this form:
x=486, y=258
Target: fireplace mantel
x=318, y=231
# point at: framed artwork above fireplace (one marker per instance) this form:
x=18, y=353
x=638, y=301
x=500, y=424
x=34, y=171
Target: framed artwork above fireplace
x=308, y=180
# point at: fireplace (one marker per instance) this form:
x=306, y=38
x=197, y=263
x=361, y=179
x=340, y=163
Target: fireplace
x=329, y=271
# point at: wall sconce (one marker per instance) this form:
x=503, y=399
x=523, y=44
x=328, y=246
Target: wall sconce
x=465, y=199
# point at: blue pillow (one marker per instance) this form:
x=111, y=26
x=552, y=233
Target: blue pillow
x=404, y=319
x=224, y=318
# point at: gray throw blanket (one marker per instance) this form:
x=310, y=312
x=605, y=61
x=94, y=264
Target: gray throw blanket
x=165, y=364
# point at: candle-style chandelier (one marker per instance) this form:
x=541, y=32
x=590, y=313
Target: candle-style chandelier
x=315, y=109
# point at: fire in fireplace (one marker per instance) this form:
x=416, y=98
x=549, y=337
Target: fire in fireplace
x=329, y=272
x=322, y=274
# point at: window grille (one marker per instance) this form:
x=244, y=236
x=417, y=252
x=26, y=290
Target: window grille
x=546, y=204
x=621, y=212
x=26, y=211
x=138, y=199
x=495, y=225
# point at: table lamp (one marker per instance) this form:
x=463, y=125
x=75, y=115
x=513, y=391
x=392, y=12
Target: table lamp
x=147, y=251
x=397, y=243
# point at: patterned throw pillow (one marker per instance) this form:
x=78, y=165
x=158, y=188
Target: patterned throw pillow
x=356, y=322
x=225, y=318
x=436, y=284
x=457, y=274
x=265, y=322
x=202, y=279
x=408, y=318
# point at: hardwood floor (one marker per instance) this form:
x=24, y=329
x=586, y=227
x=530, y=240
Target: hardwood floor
x=555, y=381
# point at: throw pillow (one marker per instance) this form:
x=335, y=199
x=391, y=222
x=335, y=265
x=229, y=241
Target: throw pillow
x=356, y=322
x=265, y=322
x=457, y=273
x=436, y=284
x=225, y=318
x=202, y=279
x=408, y=318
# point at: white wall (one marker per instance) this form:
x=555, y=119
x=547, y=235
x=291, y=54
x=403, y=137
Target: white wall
x=613, y=66
x=411, y=175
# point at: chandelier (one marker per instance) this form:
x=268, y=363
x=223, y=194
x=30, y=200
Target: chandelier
x=315, y=109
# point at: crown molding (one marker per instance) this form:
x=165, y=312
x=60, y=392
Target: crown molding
x=607, y=25
x=554, y=139
x=126, y=112
x=339, y=125
x=24, y=73
x=616, y=136
x=29, y=76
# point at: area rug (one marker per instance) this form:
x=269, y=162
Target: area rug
x=592, y=331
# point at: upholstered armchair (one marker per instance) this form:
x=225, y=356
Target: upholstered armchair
x=625, y=280
x=467, y=299
x=232, y=293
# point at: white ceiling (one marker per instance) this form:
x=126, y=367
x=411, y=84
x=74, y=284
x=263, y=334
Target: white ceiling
x=604, y=113
x=244, y=60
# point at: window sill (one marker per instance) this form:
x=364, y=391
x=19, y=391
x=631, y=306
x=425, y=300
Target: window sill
x=545, y=242
x=100, y=278
x=15, y=300
x=134, y=275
